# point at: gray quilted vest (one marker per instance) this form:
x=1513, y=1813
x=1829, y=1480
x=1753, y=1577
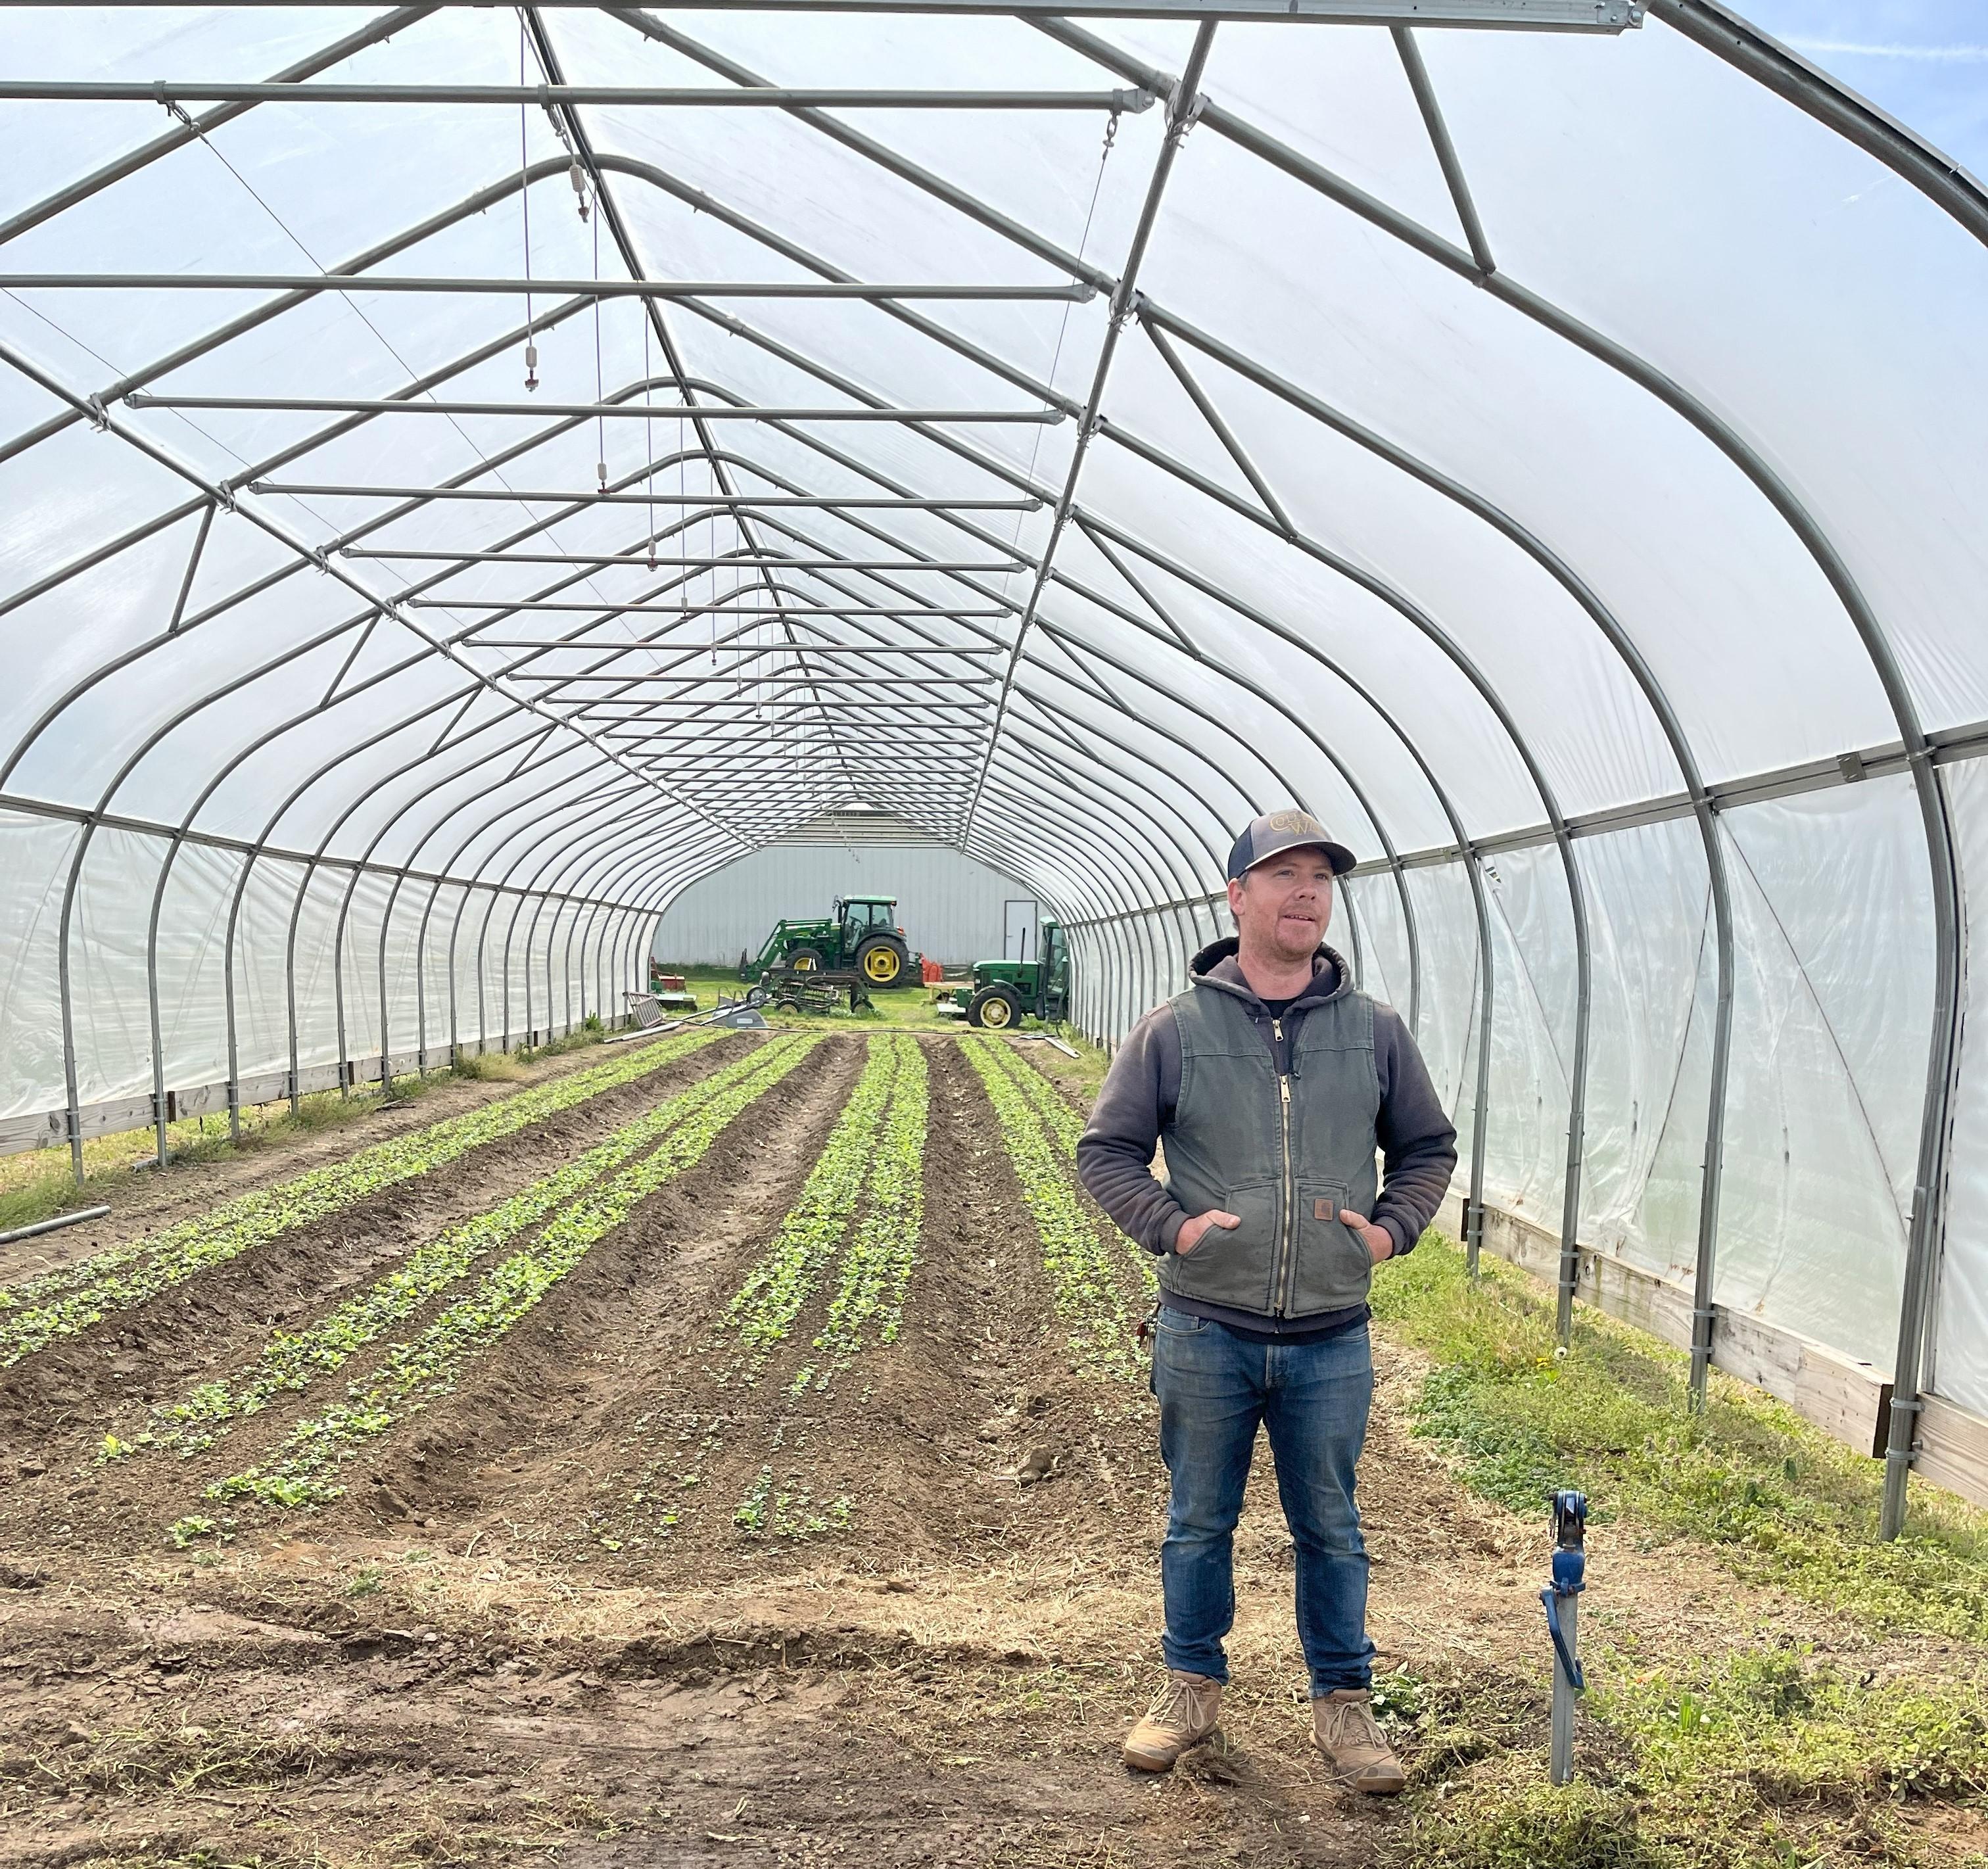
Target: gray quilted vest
x=1283, y=1154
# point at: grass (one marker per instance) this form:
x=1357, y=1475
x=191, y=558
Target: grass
x=909, y=1008
x=1779, y=1501
x=1759, y=1754
x=1760, y=1757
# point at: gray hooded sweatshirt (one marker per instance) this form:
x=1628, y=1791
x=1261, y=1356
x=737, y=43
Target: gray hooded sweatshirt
x=1277, y=1120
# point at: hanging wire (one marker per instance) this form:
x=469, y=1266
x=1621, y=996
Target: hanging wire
x=600, y=381
x=525, y=200
x=1063, y=327
x=649, y=439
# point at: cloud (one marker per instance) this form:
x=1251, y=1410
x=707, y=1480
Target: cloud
x=1923, y=55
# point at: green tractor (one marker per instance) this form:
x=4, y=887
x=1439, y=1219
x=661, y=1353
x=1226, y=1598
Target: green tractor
x=861, y=935
x=1004, y=991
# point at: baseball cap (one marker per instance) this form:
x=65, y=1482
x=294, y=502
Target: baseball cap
x=1278, y=831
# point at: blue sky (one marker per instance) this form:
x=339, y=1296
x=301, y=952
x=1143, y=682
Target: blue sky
x=1925, y=61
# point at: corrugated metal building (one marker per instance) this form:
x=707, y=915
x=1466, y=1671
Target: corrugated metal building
x=953, y=908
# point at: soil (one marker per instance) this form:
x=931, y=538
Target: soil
x=534, y=1620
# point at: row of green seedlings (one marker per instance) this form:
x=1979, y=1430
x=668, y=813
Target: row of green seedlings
x=874, y=1162
x=69, y=1299
x=291, y=1360
x=304, y=1469
x=1089, y=1275
x=1064, y=1124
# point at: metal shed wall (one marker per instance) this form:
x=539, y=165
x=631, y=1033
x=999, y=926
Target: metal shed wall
x=950, y=905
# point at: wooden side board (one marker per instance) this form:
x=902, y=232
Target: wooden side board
x=1952, y=1448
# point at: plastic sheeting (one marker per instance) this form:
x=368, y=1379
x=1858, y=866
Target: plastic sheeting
x=1683, y=489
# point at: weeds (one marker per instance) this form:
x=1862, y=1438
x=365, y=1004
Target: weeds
x=1760, y=1757
x=71, y=1299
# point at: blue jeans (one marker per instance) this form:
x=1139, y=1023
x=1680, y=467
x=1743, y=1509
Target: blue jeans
x=1214, y=1388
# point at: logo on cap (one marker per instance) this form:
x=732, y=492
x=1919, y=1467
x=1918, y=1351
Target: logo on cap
x=1295, y=821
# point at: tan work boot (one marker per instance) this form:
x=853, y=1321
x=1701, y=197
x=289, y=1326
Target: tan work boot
x=1342, y=1727
x=1182, y=1715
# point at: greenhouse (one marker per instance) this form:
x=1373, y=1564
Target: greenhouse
x=468, y=474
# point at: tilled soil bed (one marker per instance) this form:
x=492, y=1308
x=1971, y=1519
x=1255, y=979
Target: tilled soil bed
x=545, y=1614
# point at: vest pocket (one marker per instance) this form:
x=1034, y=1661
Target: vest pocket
x=1334, y=1268
x=1231, y=1265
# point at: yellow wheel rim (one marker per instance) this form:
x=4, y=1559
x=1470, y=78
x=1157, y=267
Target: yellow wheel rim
x=882, y=965
x=804, y=963
x=996, y=1012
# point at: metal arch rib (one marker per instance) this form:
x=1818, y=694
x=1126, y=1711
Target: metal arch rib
x=1180, y=111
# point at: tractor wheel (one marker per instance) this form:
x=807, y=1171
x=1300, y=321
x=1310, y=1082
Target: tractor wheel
x=805, y=960
x=880, y=962
x=996, y=1008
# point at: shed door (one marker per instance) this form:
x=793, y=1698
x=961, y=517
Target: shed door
x=1021, y=936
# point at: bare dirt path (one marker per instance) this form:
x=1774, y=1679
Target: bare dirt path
x=491, y=1664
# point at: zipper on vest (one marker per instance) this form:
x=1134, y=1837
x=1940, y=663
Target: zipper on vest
x=1284, y=1248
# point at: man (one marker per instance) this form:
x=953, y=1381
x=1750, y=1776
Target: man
x=1272, y=1082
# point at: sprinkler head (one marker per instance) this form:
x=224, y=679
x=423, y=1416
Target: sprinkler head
x=531, y=367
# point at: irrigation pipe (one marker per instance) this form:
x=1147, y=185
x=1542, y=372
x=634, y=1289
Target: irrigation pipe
x=49, y=1226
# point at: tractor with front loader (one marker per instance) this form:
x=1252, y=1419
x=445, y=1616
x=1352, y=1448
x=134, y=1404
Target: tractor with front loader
x=1004, y=992
x=860, y=936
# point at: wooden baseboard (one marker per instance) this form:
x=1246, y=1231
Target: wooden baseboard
x=1952, y=1449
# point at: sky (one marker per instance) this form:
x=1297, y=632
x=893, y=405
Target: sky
x=1925, y=62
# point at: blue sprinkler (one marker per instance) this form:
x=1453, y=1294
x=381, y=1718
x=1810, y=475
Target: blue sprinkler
x=1562, y=1601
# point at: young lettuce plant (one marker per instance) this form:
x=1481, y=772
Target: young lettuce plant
x=1063, y=1123
x=1085, y=1274
x=71, y=1299
x=291, y=1360
x=305, y=1468
x=780, y=1284
x=876, y=1264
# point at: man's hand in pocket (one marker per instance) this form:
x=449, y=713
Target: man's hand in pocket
x=1194, y=1229
x=1380, y=1241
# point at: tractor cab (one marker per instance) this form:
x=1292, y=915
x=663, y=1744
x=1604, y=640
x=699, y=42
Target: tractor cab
x=861, y=916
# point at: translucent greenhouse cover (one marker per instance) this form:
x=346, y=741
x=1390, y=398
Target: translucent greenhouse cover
x=1555, y=458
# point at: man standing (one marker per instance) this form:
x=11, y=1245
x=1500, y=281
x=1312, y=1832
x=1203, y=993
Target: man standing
x=1273, y=1084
